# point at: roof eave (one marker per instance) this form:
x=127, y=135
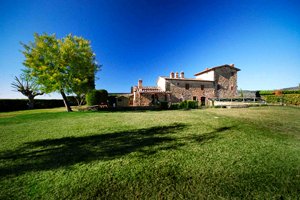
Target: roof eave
x=211, y=69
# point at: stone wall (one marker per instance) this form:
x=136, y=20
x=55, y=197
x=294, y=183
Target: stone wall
x=226, y=82
x=179, y=89
x=149, y=99
x=196, y=89
x=122, y=101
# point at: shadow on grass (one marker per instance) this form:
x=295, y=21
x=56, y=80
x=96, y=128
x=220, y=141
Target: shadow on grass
x=63, y=152
x=202, y=138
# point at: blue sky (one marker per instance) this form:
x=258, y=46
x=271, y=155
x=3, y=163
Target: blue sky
x=144, y=39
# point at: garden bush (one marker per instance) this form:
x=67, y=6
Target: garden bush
x=272, y=98
x=164, y=105
x=184, y=105
x=289, y=99
x=175, y=106
x=192, y=104
x=96, y=97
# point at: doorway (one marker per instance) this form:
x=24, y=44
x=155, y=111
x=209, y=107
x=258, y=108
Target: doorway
x=202, y=101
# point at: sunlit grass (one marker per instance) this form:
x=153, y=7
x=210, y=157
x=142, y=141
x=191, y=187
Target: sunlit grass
x=196, y=154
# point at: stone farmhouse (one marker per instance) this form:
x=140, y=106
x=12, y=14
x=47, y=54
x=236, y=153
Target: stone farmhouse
x=215, y=82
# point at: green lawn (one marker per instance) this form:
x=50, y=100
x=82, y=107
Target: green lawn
x=249, y=153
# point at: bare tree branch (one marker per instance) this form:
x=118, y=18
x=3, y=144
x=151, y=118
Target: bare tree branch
x=28, y=89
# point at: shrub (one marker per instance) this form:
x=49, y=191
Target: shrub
x=96, y=97
x=257, y=94
x=289, y=99
x=272, y=98
x=278, y=93
x=164, y=105
x=175, y=106
x=185, y=105
x=192, y=104
x=292, y=99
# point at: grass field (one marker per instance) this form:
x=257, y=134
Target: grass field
x=251, y=153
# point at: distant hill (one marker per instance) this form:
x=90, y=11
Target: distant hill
x=292, y=88
x=247, y=93
x=251, y=93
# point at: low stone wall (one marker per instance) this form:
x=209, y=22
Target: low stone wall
x=148, y=99
x=232, y=104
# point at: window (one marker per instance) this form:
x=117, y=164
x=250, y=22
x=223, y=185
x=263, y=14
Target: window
x=202, y=87
x=218, y=87
x=177, y=84
x=194, y=98
x=187, y=86
x=232, y=73
x=231, y=87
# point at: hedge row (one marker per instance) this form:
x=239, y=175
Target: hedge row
x=289, y=99
x=21, y=104
x=291, y=92
x=185, y=105
x=272, y=92
x=266, y=92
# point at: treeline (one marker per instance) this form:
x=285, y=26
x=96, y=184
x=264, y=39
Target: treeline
x=94, y=97
x=22, y=104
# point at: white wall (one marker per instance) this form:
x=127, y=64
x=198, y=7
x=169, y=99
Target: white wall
x=161, y=83
x=208, y=76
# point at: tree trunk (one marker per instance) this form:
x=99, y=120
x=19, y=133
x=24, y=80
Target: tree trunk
x=67, y=105
x=30, y=102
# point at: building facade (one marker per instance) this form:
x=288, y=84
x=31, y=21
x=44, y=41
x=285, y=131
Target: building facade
x=216, y=82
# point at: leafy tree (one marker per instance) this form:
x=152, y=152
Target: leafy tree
x=64, y=65
x=28, y=88
x=241, y=93
x=96, y=97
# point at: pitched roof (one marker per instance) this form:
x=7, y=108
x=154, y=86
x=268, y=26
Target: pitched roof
x=151, y=89
x=213, y=68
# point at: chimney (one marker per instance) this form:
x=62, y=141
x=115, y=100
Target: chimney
x=172, y=75
x=181, y=74
x=231, y=65
x=140, y=84
x=176, y=75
